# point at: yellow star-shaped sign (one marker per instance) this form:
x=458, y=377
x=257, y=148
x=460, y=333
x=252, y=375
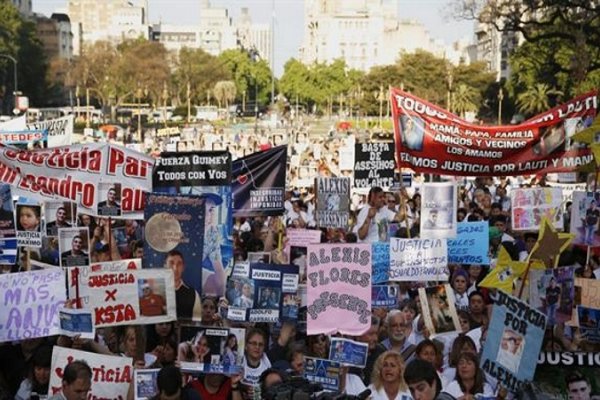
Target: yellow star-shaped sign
x=506, y=271
x=549, y=245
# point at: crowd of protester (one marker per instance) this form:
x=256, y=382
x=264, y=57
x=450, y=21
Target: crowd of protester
x=404, y=360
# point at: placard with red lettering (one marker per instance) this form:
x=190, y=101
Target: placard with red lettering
x=132, y=297
x=77, y=277
x=111, y=375
x=430, y=139
x=74, y=173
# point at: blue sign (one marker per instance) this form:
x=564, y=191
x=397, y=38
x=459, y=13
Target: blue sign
x=471, y=245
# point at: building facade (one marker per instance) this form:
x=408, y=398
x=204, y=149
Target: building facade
x=364, y=33
x=55, y=35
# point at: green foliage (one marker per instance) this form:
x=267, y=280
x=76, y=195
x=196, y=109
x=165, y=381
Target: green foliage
x=18, y=39
x=252, y=77
x=535, y=98
x=424, y=75
x=465, y=99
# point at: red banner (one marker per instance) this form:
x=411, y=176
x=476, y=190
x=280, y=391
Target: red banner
x=432, y=140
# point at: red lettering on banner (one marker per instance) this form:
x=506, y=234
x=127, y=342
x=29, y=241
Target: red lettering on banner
x=132, y=199
x=115, y=314
x=115, y=158
x=111, y=295
x=111, y=279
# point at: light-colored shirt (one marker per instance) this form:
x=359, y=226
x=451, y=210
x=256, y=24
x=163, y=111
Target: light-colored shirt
x=378, y=229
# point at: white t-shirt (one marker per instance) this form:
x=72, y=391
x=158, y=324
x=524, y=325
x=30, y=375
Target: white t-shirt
x=354, y=385
x=454, y=389
x=252, y=375
x=378, y=229
x=381, y=395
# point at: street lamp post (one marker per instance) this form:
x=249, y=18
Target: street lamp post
x=500, y=97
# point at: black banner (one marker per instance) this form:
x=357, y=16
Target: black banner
x=374, y=165
x=259, y=183
x=188, y=169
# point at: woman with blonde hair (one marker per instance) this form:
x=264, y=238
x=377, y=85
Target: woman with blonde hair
x=387, y=380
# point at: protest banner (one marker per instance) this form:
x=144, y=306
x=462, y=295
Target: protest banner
x=132, y=297
x=60, y=130
x=471, y=244
x=30, y=302
x=339, y=289
x=380, y=259
x=263, y=293
x=560, y=375
x=585, y=215
x=37, y=139
x=296, y=247
x=14, y=124
x=28, y=222
x=333, y=202
x=374, y=165
x=73, y=173
x=74, y=247
x=384, y=296
x=78, y=276
x=519, y=329
x=552, y=292
x=418, y=260
x=441, y=316
x=77, y=322
x=145, y=387
x=111, y=375
x=59, y=214
x=568, y=189
x=205, y=349
x=207, y=174
x=175, y=232
x=438, y=210
x=529, y=206
x=258, y=182
x=348, y=352
x=324, y=372
x=430, y=139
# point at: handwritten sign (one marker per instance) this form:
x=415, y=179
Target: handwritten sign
x=471, y=245
x=339, y=288
x=519, y=329
x=29, y=304
x=132, y=297
x=530, y=205
x=333, y=202
x=418, y=260
x=111, y=375
x=374, y=165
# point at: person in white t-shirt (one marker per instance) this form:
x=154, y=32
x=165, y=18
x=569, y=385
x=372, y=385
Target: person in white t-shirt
x=387, y=379
x=255, y=360
x=372, y=221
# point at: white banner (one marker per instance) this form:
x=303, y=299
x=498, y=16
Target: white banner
x=82, y=274
x=111, y=375
x=15, y=124
x=418, y=260
x=132, y=297
x=103, y=179
x=29, y=304
x=60, y=130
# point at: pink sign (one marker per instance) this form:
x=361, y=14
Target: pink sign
x=339, y=289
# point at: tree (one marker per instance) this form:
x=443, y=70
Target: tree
x=424, y=75
x=535, y=98
x=200, y=70
x=295, y=80
x=97, y=69
x=224, y=92
x=250, y=73
x=465, y=99
x=18, y=39
x=567, y=24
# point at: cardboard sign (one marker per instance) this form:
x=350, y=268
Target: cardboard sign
x=418, y=260
x=111, y=375
x=438, y=210
x=333, y=202
x=30, y=302
x=374, y=165
x=339, y=289
x=132, y=297
x=528, y=206
x=519, y=329
x=471, y=245
x=439, y=303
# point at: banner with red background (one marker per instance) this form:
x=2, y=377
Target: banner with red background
x=432, y=140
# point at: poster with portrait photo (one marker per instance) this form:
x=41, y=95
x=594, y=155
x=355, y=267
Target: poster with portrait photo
x=146, y=387
x=561, y=375
x=202, y=349
x=333, y=202
x=240, y=295
x=110, y=196
x=552, y=292
x=74, y=247
x=412, y=132
x=438, y=210
x=440, y=316
x=49, y=252
x=585, y=218
x=28, y=224
x=59, y=215
x=298, y=257
x=589, y=323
